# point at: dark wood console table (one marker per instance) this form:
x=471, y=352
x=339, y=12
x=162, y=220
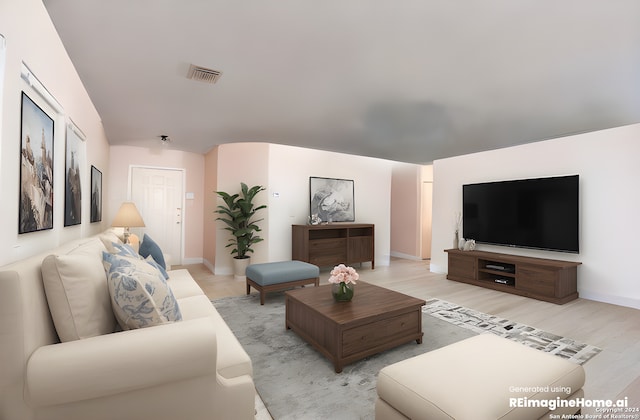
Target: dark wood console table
x=543, y=279
x=334, y=243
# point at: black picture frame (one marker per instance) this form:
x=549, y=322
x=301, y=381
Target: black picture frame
x=36, y=168
x=96, y=195
x=74, y=161
x=331, y=199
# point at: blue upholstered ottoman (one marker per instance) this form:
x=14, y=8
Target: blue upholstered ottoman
x=282, y=275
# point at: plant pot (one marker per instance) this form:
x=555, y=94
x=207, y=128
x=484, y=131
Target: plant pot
x=240, y=267
x=342, y=292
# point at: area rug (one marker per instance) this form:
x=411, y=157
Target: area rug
x=297, y=382
x=480, y=322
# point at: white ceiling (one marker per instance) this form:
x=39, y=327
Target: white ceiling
x=410, y=80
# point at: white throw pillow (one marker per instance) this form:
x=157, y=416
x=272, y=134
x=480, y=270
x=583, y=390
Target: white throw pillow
x=140, y=295
x=108, y=238
x=77, y=293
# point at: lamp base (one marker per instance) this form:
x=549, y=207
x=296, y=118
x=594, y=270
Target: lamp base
x=133, y=241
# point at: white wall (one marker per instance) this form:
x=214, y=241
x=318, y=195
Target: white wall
x=607, y=162
x=285, y=170
x=31, y=38
x=289, y=172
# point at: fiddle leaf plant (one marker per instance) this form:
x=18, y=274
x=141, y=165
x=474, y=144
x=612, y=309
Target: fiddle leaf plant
x=238, y=213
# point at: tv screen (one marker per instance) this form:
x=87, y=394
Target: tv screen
x=539, y=213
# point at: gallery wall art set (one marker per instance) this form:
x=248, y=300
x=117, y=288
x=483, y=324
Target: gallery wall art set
x=36, y=203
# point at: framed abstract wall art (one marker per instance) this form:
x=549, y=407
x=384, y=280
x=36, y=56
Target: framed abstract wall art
x=96, y=195
x=332, y=199
x=36, y=168
x=74, y=161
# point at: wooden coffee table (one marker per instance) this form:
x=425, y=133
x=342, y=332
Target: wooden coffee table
x=377, y=319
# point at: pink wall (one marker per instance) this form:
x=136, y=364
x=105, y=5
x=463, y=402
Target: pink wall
x=31, y=38
x=123, y=157
x=405, y=210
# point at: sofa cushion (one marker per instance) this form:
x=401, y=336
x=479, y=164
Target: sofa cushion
x=107, y=238
x=76, y=288
x=148, y=247
x=153, y=263
x=139, y=293
x=183, y=285
x=231, y=360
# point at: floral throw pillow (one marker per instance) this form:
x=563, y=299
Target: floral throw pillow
x=140, y=295
x=125, y=250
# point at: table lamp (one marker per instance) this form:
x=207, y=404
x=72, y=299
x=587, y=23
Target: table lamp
x=128, y=217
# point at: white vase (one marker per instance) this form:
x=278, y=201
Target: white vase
x=240, y=267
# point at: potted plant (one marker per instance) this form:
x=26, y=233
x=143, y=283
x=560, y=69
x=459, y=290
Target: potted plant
x=238, y=213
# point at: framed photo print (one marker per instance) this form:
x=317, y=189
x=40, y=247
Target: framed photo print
x=332, y=199
x=36, y=168
x=96, y=195
x=74, y=160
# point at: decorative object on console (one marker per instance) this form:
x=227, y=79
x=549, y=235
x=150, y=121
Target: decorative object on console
x=332, y=199
x=36, y=168
x=239, y=211
x=128, y=217
x=457, y=220
x=342, y=280
x=314, y=219
x=469, y=245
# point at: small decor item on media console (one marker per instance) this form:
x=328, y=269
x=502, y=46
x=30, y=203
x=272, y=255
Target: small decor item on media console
x=314, y=219
x=457, y=240
x=342, y=280
x=470, y=245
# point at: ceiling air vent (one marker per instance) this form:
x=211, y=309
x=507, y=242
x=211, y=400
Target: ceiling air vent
x=202, y=74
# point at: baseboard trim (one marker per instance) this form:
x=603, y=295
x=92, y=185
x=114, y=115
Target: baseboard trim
x=188, y=261
x=614, y=300
x=405, y=256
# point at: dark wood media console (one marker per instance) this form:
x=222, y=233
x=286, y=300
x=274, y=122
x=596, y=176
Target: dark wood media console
x=334, y=243
x=543, y=279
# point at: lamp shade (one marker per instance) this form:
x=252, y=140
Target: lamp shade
x=128, y=216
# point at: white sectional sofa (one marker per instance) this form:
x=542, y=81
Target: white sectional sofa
x=193, y=368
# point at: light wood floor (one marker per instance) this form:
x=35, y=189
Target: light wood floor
x=612, y=374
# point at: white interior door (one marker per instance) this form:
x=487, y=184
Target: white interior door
x=158, y=194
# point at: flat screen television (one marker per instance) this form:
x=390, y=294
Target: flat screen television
x=539, y=213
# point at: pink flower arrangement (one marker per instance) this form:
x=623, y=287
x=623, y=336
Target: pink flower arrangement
x=343, y=274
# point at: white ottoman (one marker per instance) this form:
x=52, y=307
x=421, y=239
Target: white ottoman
x=484, y=377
